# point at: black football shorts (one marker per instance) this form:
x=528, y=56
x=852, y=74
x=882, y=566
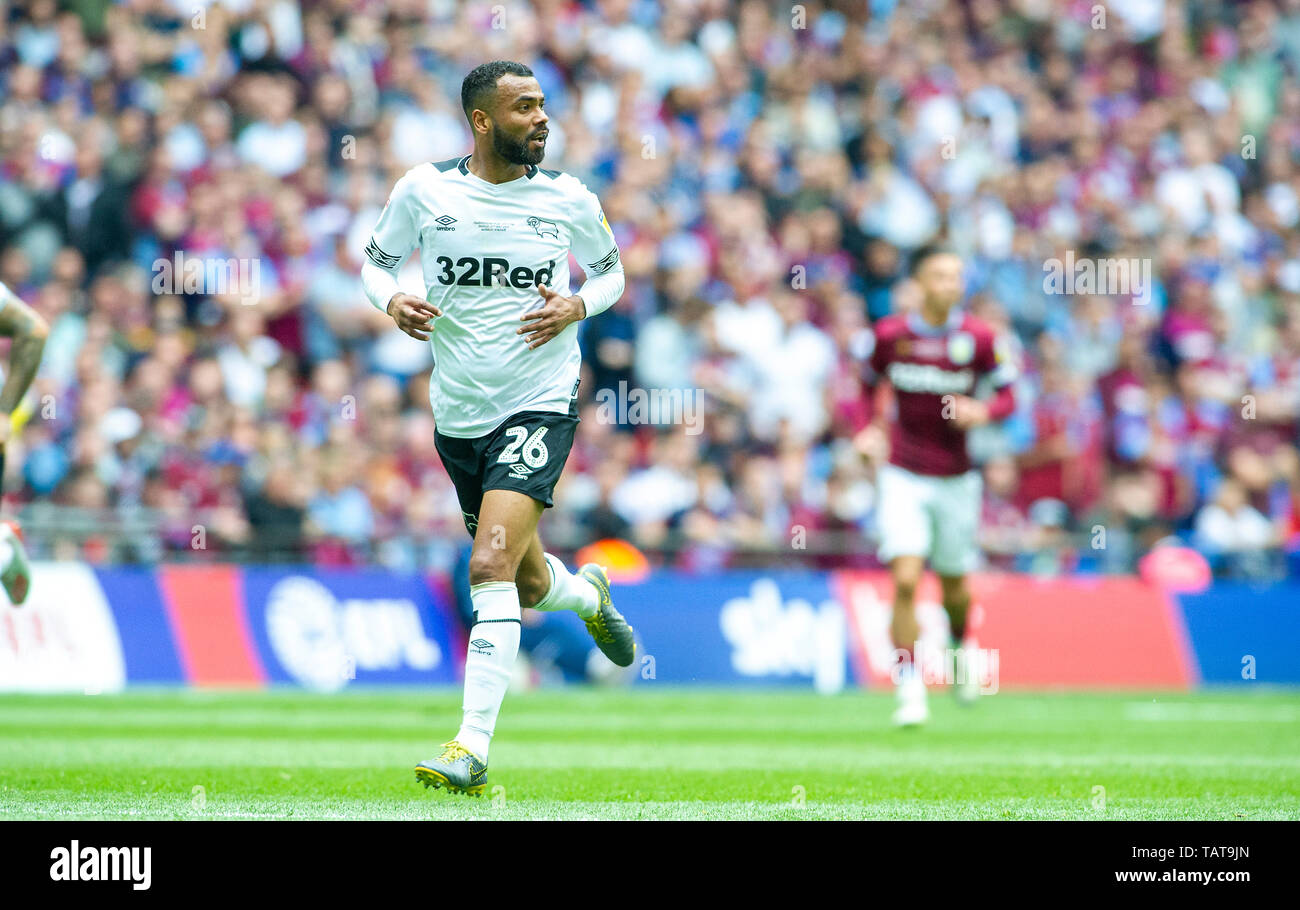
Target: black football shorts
x=526, y=453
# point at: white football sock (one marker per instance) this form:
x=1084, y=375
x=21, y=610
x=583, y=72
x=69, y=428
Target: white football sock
x=568, y=591
x=909, y=680
x=493, y=647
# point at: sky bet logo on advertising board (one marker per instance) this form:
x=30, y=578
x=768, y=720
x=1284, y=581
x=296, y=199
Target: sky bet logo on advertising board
x=774, y=635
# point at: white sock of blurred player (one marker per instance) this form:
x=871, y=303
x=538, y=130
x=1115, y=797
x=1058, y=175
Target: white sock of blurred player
x=568, y=591
x=912, y=707
x=967, y=659
x=966, y=672
x=493, y=647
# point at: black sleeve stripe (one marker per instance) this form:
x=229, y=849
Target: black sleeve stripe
x=606, y=263
x=379, y=257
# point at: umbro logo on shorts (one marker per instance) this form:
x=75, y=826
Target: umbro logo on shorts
x=520, y=470
x=482, y=646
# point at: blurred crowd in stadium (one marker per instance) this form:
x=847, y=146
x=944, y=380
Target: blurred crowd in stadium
x=767, y=168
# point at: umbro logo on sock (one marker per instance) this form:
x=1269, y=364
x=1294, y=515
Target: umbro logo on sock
x=482, y=646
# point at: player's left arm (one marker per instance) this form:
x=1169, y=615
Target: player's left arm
x=594, y=246
x=997, y=365
x=28, y=330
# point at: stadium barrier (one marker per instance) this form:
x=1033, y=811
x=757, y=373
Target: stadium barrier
x=87, y=629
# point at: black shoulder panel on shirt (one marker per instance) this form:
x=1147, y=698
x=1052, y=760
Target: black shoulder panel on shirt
x=549, y=173
x=447, y=165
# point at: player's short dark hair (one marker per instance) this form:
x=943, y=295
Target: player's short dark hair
x=482, y=82
x=929, y=251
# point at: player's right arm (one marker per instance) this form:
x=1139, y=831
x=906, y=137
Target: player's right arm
x=394, y=237
x=28, y=330
x=873, y=439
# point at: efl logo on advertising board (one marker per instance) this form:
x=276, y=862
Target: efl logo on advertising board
x=322, y=641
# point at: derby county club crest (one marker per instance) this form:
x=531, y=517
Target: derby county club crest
x=544, y=227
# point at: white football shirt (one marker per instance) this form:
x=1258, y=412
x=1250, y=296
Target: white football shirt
x=483, y=249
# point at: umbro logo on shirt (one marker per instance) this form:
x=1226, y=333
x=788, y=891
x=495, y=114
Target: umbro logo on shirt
x=444, y=223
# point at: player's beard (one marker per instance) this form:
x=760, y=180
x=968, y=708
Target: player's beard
x=515, y=151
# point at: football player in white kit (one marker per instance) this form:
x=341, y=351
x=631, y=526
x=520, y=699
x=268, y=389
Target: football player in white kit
x=494, y=232
x=28, y=330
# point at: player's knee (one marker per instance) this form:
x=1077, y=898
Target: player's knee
x=906, y=572
x=955, y=592
x=489, y=564
x=906, y=581
x=905, y=590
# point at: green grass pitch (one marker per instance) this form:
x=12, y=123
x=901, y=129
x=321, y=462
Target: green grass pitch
x=653, y=754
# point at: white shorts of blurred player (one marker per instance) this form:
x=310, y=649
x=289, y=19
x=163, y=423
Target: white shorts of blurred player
x=933, y=517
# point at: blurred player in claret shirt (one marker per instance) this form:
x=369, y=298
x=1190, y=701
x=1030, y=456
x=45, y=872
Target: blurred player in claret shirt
x=937, y=361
